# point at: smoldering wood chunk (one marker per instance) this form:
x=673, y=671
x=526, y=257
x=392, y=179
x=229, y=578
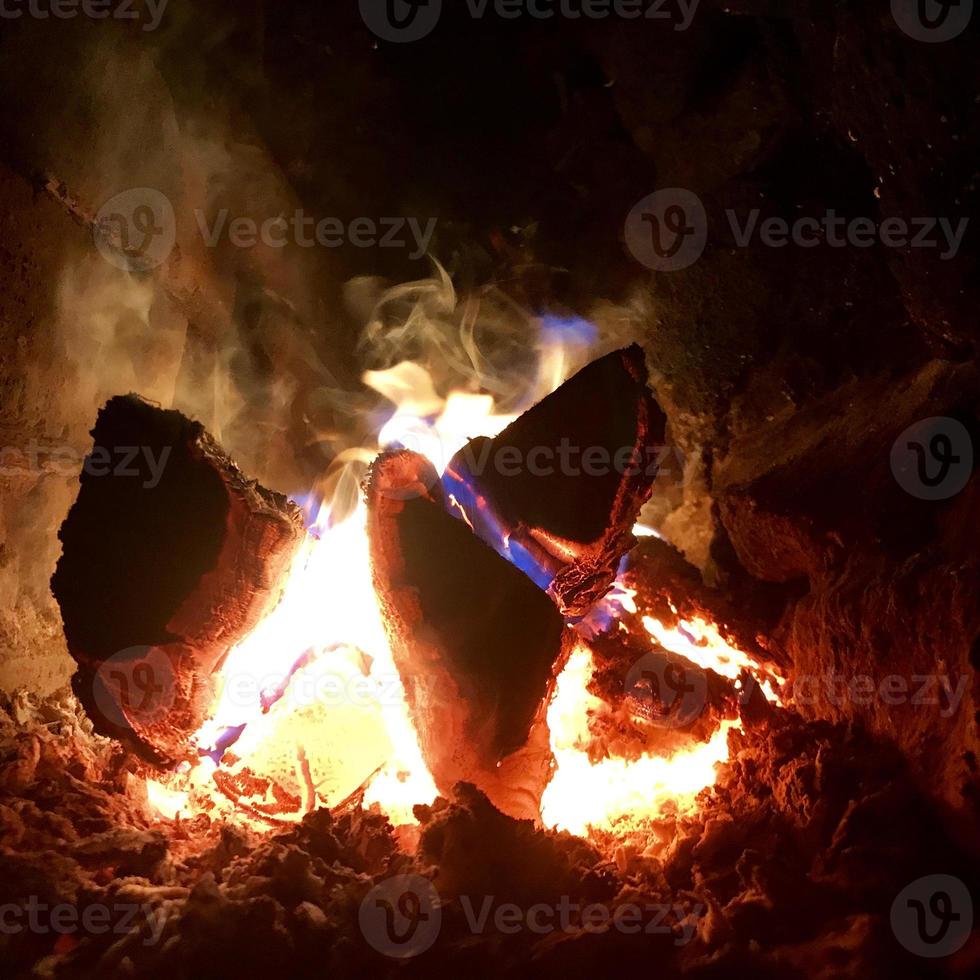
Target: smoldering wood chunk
x=670, y=588
x=476, y=643
x=656, y=698
x=560, y=489
x=658, y=701
x=170, y=557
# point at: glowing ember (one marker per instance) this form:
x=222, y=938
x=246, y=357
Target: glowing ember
x=615, y=792
x=701, y=643
x=165, y=802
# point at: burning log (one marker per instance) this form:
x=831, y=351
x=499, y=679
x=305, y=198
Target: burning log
x=477, y=644
x=558, y=492
x=698, y=659
x=170, y=557
x=671, y=589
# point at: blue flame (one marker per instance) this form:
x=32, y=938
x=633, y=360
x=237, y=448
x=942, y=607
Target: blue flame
x=222, y=743
x=572, y=330
x=309, y=504
x=604, y=615
x=470, y=506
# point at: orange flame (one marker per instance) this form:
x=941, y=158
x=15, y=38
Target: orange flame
x=327, y=630
x=615, y=792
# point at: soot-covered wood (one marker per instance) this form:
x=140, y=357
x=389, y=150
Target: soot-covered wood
x=167, y=562
x=565, y=482
x=476, y=643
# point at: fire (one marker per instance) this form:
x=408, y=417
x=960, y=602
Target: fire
x=601, y=795
x=328, y=627
x=329, y=609
x=273, y=716
x=701, y=643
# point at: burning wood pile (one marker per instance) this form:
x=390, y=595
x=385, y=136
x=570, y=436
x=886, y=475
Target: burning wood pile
x=489, y=578
x=556, y=718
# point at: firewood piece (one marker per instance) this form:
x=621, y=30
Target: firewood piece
x=476, y=643
x=656, y=701
x=168, y=561
x=671, y=589
x=560, y=489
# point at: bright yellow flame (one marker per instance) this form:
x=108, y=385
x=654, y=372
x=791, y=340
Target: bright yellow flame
x=166, y=802
x=615, y=791
x=701, y=643
x=329, y=611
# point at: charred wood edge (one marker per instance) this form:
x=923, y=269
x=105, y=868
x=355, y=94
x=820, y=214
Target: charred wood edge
x=580, y=571
x=599, y=563
x=201, y=623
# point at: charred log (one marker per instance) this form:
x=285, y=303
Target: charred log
x=560, y=489
x=170, y=557
x=656, y=699
x=476, y=643
x=671, y=589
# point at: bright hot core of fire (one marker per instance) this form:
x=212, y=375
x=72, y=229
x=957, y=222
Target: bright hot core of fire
x=311, y=701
